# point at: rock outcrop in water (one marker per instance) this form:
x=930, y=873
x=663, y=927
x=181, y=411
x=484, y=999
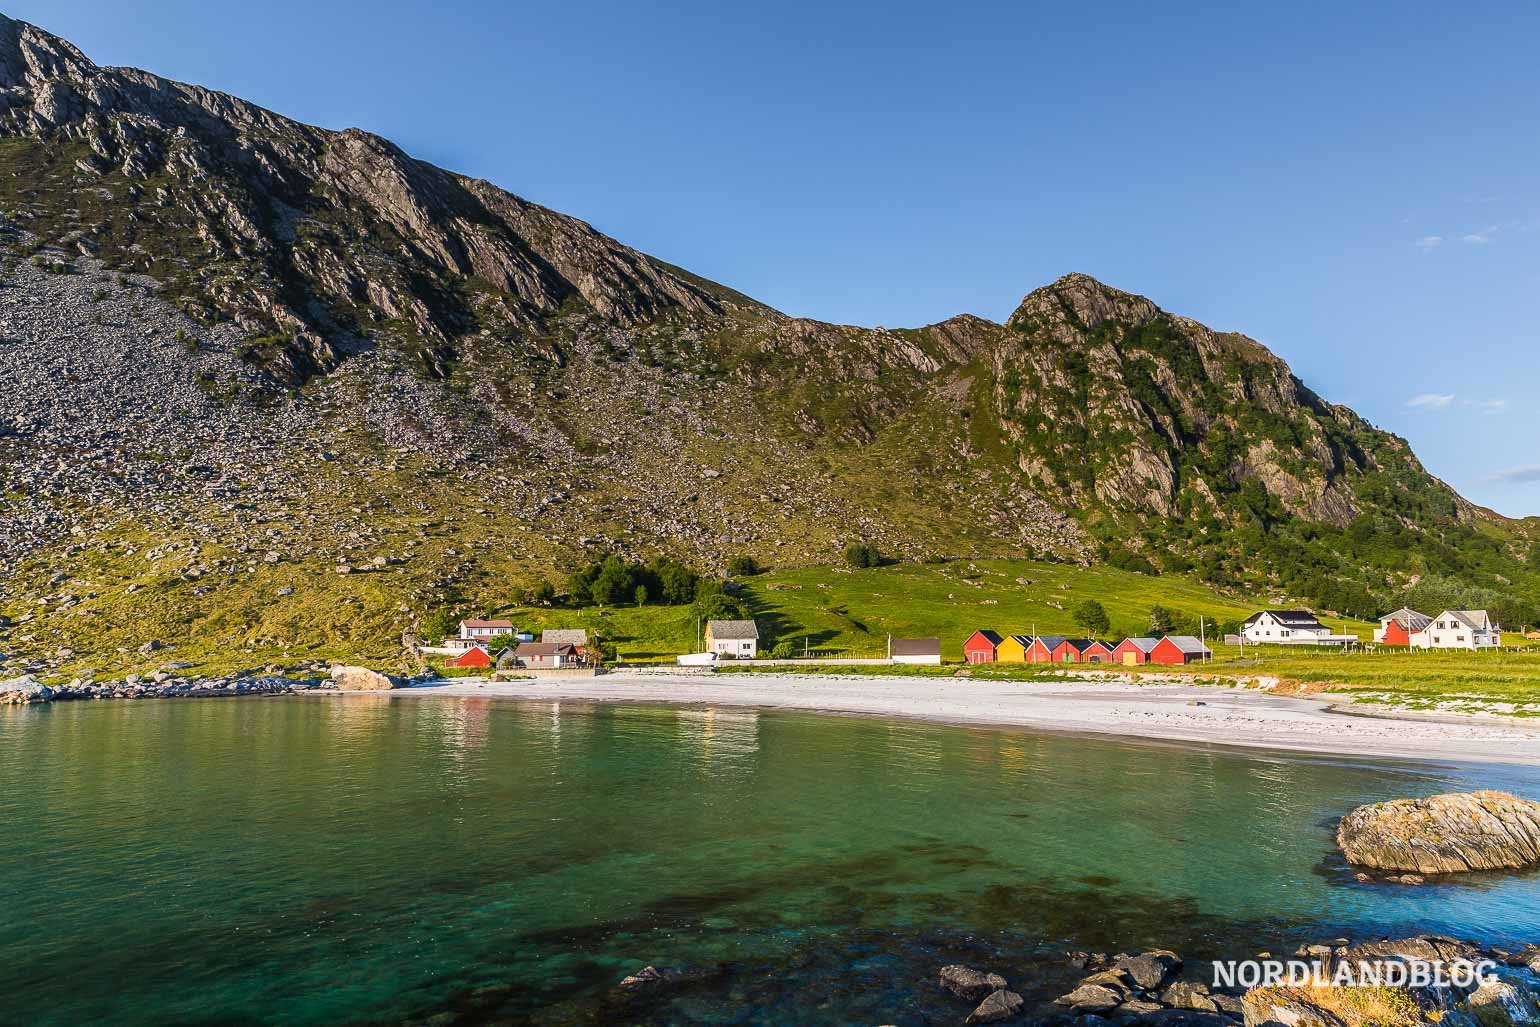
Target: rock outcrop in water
x=1444, y=834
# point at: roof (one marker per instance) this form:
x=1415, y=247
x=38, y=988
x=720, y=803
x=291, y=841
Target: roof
x=488, y=624
x=732, y=629
x=570, y=636
x=1084, y=644
x=993, y=637
x=543, y=649
x=917, y=647
x=1408, y=618
x=1288, y=618
x=1187, y=643
x=1025, y=641
x=1052, y=641
x=1143, y=643
x=1476, y=620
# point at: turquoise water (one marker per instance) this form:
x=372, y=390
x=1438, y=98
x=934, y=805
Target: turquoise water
x=389, y=860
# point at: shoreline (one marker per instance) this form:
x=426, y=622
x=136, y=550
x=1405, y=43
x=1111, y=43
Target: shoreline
x=1215, y=715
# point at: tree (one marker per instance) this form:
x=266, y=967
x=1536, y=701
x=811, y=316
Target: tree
x=543, y=593
x=439, y=624
x=1162, y=620
x=1092, y=618
x=641, y=595
x=783, y=650
x=743, y=566
x=862, y=554
x=615, y=583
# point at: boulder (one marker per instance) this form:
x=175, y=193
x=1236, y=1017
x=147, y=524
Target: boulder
x=1444, y=834
x=1150, y=970
x=1092, y=998
x=966, y=982
x=1188, y=995
x=361, y=679
x=997, y=1006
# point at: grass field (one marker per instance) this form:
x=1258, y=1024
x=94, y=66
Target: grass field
x=832, y=611
x=278, y=614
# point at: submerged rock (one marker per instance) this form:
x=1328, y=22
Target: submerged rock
x=1444, y=834
x=966, y=982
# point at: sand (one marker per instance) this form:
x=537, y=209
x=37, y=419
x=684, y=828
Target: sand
x=1212, y=715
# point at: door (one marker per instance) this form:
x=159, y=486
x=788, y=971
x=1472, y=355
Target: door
x=1130, y=659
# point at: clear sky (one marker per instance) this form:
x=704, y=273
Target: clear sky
x=1355, y=185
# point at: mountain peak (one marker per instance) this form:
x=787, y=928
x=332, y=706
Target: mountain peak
x=1084, y=300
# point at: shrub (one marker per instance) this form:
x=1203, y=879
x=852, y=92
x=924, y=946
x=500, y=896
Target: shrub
x=742, y=567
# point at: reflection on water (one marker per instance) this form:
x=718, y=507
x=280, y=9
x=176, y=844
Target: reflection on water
x=320, y=860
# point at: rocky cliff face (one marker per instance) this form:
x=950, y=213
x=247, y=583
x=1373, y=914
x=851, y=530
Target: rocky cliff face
x=222, y=324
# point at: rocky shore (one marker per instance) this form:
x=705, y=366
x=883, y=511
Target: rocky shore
x=1160, y=989
x=26, y=690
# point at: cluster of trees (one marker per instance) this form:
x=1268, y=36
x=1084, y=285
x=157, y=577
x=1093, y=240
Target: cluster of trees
x=613, y=581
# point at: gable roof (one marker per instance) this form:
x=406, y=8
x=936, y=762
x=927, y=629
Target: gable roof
x=487, y=624
x=1408, y=618
x=1052, y=642
x=732, y=629
x=1187, y=643
x=1288, y=618
x=1086, y=644
x=569, y=636
x=1025, y=641
x=545, y=649
x=1476, y=620
x=917, y=647
x=992, y=637
x=1143, y=643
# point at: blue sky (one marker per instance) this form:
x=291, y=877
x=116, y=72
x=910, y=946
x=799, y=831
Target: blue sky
x=1357, y=186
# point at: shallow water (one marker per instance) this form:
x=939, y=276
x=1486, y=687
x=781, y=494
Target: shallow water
x=386, y=860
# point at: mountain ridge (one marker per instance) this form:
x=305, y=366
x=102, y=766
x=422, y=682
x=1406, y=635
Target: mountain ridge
x=251, y=338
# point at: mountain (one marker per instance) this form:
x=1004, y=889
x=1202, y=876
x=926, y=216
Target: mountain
x=247, y=364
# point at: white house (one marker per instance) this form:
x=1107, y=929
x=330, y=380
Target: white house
x=1290, y=627
x=1460, y=629
x=481, y=630
x=738, y=639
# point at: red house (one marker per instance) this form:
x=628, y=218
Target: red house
x=981, y=645
x=1131, y=652
x=1177, y=650
x=475, y=656
x=1042, y=647
x=1092, y=650
x=1399, y=627
x=1080, y=650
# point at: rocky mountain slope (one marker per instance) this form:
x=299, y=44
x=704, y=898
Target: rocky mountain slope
x=243, y=360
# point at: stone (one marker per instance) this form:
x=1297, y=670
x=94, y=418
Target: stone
x=1150, y=970
x=966, y=982
x=361, y=679
x=999, y=1005
x=1188, y=995
x=1092, y=998
x=1444, y=834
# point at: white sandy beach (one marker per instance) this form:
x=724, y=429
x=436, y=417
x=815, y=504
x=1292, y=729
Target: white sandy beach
x=1178, y=713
